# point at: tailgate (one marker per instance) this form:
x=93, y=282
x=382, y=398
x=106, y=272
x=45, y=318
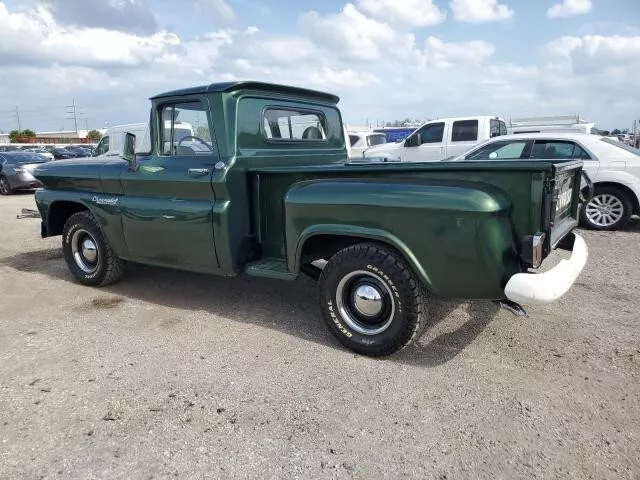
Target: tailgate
x=561, y=201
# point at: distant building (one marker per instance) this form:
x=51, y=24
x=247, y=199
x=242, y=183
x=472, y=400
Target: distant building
x=63, y=136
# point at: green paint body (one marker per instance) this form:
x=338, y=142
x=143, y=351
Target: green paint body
x=459, y=225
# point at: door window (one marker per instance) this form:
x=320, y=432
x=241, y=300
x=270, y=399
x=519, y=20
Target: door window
x=432, y=133
x=499, y=151
x=103, y=147
x=185, y=130
x=376, y=140
x=464, y=131
x=553, y=149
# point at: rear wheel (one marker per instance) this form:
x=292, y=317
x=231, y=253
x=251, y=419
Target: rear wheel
x=610, y=208
x=87, y=252
x=5, y=188
x=371, y=299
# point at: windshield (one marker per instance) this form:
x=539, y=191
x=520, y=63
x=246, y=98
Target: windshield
x=623, y=146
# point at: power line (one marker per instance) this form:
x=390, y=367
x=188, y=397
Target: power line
x=75, y=116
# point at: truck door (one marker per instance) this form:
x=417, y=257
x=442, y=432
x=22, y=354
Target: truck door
x=464, y=136
x=167, y=207
x=431, y=146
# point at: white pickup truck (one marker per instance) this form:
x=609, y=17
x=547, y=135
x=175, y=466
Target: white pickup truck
x=439, y=139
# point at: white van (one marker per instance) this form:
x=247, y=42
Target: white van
x=440, y=139
x=111, y=142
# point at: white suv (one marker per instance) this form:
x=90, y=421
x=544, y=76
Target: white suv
x=613, y=167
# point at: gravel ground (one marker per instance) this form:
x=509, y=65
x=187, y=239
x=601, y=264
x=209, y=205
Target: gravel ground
x=178, y=375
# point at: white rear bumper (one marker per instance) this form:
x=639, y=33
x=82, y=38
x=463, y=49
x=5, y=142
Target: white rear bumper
x=549, y=286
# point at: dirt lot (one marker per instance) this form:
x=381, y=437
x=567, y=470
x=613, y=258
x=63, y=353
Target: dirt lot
x=177, y=375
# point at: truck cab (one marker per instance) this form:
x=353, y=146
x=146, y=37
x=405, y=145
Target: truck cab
x=440, y=139
x=262, y=187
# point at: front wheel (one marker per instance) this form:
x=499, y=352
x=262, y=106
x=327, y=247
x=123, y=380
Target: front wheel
x=609, y=209
x=5, y=188
x=371, y=300
x=87, y=252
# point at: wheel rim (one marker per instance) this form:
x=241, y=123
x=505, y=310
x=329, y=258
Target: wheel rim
x=85, y=251
x=605, y=210
x=4, y=186
x=365, y=303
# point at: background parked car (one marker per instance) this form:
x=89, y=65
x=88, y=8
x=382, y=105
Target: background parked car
x=62, y=154
x=15, y=171
x=439, y=139
x=360, y=141
x=41, y=151
x=613, y=166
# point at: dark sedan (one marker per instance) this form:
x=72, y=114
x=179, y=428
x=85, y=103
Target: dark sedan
x=15, y=171
x=62, y=154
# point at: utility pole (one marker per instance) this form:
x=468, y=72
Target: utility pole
x=18, y=118
x=73, y=112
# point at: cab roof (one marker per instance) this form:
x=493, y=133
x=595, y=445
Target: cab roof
x=251, y=85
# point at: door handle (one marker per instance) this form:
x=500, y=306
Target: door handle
x=198, y=172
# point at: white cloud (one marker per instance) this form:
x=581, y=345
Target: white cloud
x=569, y=8
x=479, y=11
x=48, y=42
x=349, y=33
x=220, y=9
x=443, y=54
x=414, y=13
x=375, y=67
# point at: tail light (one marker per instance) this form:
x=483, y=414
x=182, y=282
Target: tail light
x=533, y=250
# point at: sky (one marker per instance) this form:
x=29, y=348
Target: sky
x=386, y=59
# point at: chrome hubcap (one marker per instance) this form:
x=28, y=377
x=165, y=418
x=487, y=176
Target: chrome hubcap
x=367, y=300
x=604, y=210
x=89, y=250
x=365, y=303
x=85, y=251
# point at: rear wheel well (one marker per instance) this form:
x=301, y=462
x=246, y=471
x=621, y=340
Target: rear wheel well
x=630, y=194
x=324, y=246
x=59, y=213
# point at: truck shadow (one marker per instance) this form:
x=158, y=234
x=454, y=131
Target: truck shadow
x=288, y=307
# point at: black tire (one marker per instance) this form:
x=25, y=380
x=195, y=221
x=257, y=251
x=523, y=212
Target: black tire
x=106, y=268
x=5, y=188
x=402, y=299
x=610, y=208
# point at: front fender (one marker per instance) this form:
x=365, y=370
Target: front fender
x=457, y=236
x=105, y=209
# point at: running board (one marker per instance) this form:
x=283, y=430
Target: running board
x=270, y=268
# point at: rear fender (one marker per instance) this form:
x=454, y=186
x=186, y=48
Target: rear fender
x=457, y=236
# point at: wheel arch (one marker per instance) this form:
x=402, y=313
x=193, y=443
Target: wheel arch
x=635, y=202
x=59, y=212
x=322, y=241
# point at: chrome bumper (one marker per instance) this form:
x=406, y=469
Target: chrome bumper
x=547, y=287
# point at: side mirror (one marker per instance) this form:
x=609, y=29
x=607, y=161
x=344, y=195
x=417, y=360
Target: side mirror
x=414, y=140
x=129, y=148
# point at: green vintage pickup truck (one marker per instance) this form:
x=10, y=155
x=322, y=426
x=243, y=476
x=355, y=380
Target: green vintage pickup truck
x=248, y=177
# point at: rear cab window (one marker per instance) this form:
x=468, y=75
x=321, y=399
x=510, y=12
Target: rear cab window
x=497, y=127
x=280, y=124
x=353, y=139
